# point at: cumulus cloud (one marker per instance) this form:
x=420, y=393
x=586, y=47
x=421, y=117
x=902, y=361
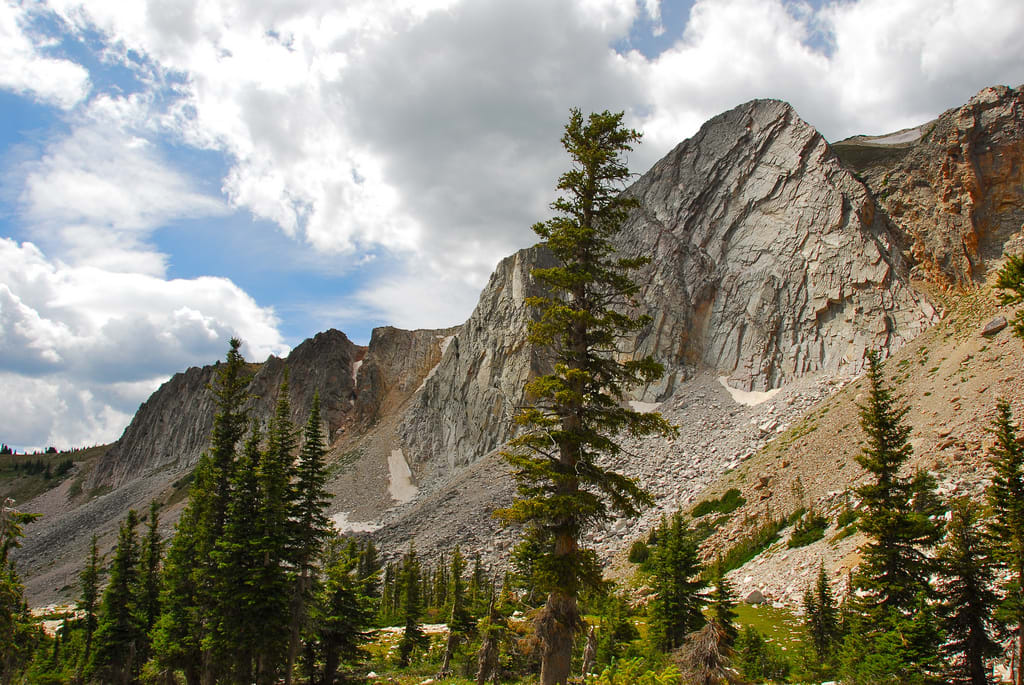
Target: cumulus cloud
x=422, y=132
x=93, y=344
x=28, y=70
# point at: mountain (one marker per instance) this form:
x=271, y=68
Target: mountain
x=777, y=261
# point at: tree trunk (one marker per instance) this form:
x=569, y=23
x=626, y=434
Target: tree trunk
x=446, y=662
x=295, y=625
x=556, y=626
x=589, y=653
x=487, y=661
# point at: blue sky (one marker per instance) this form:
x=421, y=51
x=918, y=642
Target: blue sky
x=178, y=172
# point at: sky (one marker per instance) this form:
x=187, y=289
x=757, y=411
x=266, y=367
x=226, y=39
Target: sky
x=177, y=172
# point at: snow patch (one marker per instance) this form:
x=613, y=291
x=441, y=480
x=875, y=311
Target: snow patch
x=355, y=371
x=644, y=407
x=747, y=397
x=343, y=525
x=400, y=484
x=445, y=342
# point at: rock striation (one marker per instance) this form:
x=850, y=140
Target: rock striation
x=953, y=186
x=172, y=428
x=769, y=260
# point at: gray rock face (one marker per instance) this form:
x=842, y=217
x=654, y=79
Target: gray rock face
x=770, y=260
x=172, y=428
x=465, y=408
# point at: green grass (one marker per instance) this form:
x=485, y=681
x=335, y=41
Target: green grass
x=727, y=503
x=780, y=626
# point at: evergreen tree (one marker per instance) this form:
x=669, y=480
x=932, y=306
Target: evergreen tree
x=237, y=632
x=119, y=631
x=189, y=607
x=893, y=629
x=821, y=617
x=19, y=633
x=1011, y=282
x=895, y=567
x=149, y=577
x=460, y=621
x=341, y=614
x=579, y=408
x=413, y=636
x=722, y=605
x=89, y=582
x=311, y=524
x=676, y=608
x=369, y=570
x=968, y=597
x=1006, y=529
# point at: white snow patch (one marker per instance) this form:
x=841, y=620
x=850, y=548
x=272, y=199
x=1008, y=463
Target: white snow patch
x=897, y=138
x=445, y=342
x=343, y=525
x=355, y=371
x=644, y=407
x=400, y=484
x=747, y=397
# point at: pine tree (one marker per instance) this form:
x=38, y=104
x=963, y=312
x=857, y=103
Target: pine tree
x=413, y=636
x=311, y=524
x=189, y=609
x=89, y=582
x=342, y=612
x=895, y=567
x=119, y=631
x=1011, y=282
x=968, y=596
x=821, y=617
x=676, y=608
x=459, y=619
x=1006, y=529
x=19, y=633
x=894, y=629
x=149, y=576
x=722, y=605
x=578, y=409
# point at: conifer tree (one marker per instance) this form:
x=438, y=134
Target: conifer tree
x=1011, y=282
x=459, y=619
x=413, y=636
x=341, y=615
x=119, y=631
x=968, y=596
x=722, y=605
x=149, y=577
x=189, y=609
x=89, y=582
x=1006, y=529
x=676, y=608
x=19, y=632
x=311, y=524
x=893, y=628
x=578, y=409
x=821, y=617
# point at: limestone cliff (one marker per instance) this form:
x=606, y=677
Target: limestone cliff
x=770, y=260
x=172, y=428
x=954, y=186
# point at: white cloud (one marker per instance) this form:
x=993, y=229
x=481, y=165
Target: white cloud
x=27, y=70
x=98, y=340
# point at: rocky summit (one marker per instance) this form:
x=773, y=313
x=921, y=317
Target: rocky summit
x=777, y=261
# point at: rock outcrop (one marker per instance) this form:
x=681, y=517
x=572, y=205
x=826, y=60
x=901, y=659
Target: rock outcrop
x=954, y=186
x=769, y=260
x=172, y=428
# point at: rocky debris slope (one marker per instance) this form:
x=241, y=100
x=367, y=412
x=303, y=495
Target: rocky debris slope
x=770, y=260
x=954, y=186
x=172, y=428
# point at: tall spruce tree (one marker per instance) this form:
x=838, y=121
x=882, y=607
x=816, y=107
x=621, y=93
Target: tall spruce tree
x=341, y=614
x=1011, y=282
x=189, y=607
x=676, y=608
x=968, y=596
x=413, y=636
x=1006, y=528
x=119, y=631
x=821, y=618
x=579, y=408
x=88, y=605
x=149, y=573
x=722, y=605
x=894, y=630
x=311, y=524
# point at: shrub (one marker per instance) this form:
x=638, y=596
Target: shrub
x=730, y=501
x=810, y=528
